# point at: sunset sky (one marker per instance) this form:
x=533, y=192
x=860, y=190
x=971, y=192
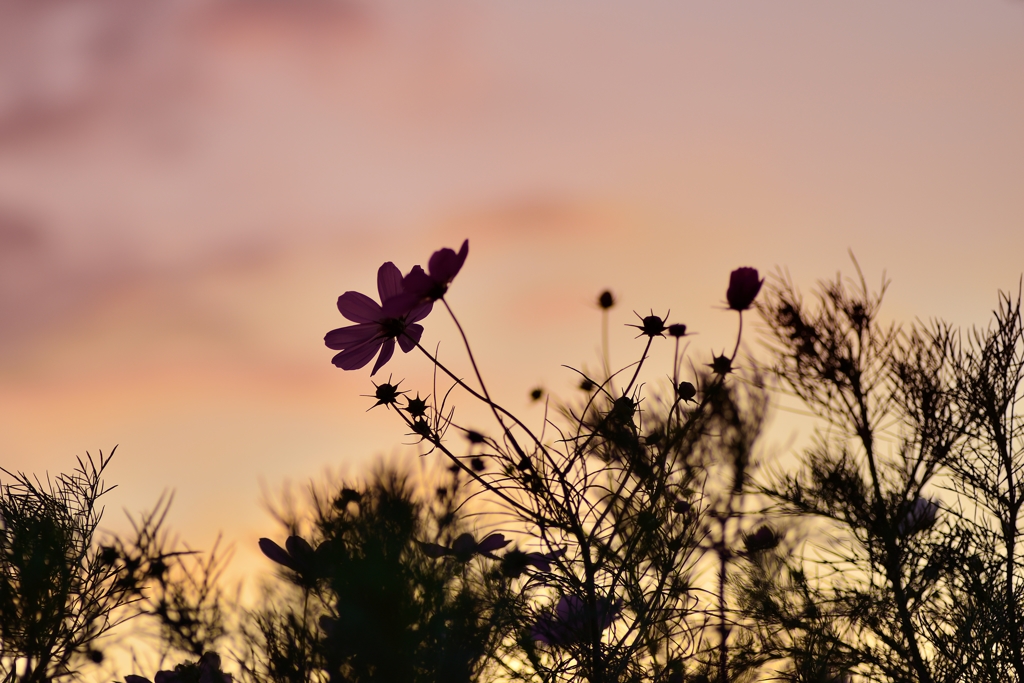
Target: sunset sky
x=186, y=187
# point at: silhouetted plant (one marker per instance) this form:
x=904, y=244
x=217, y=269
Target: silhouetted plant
x=61, y=589
x=614, y=520
x=366, y=603
x=916, y=588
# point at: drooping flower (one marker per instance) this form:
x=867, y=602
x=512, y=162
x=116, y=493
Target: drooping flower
x=686, y=391
x=515, y=562
x=465, y=547
x=378, y=325
x=919, y=517
x=206, y=670
x=570, y=623
x=764, y=538
x=432, y=284
x=743, y=288
x=296, y=555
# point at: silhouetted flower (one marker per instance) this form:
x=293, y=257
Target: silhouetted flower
x=743, y=288
x=417, y=407
x=465, y=547
x=378, y=325
x=587, y=384
x=206, y=670
x=919, y=517
x=681, y=507
x=570, y=623
x=386, y=394
x=764, y=538
x=721, y=365
x=686, y=391
x=606, y=300
x=474, y=436
x=515, y=562
x=677, y=330
x=297, y=555
x=651, y=325
x=536, y=394
x=477, y=464
x=443, y=266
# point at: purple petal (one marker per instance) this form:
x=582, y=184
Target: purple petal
x=387, y=350
x=543, y=561
x=410, y=338
x=464, y=544
x=445, y=264
x=433, y=549
x=345, y=337
x=277, y=553
x=298, y=547
x=568, y=608
x=492, y=543
x=357, y=356
x=389, y=281
x=359, y=308
x=399, y=305
x=419, y=312
x=417, y=283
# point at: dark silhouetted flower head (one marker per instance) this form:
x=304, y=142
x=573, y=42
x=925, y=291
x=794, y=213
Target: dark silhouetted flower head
x=386, y=394
x=536, y=394
x=677, y=330
x=721, y=365
x=570, y=623
x=431, y=285
x=681, y=507
x=919, y=517
x=651, y=325
x=417, y=407
x=378, y=325
x=296, y=555
x=606, y=300
x=743, y=288
x=686, y=391
x=764, y=538
x=477, y=464
x=206, y=670
x=587, y=384
x=515, y=562
x=465, y=547
x=474, y=436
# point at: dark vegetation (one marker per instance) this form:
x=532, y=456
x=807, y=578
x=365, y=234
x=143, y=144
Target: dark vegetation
x=636, y=535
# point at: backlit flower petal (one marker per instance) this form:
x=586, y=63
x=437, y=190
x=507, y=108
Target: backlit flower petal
x=357, y=356
x=277, y=553
x=411, y=337
x=346, y=337
x=358, y=307
x=492, y=543
x=389, y=281
x=445, y=264
x=387, y=350
x=433, y=549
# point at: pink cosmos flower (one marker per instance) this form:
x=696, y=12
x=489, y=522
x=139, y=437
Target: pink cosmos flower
x=743, y=288
x=569, y=623
x=919, y=517
x=465, y=546
x=515, y=562
x=443, y=266
x=378, y=325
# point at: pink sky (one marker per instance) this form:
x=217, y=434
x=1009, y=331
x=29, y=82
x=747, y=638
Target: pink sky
x=186, y=188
